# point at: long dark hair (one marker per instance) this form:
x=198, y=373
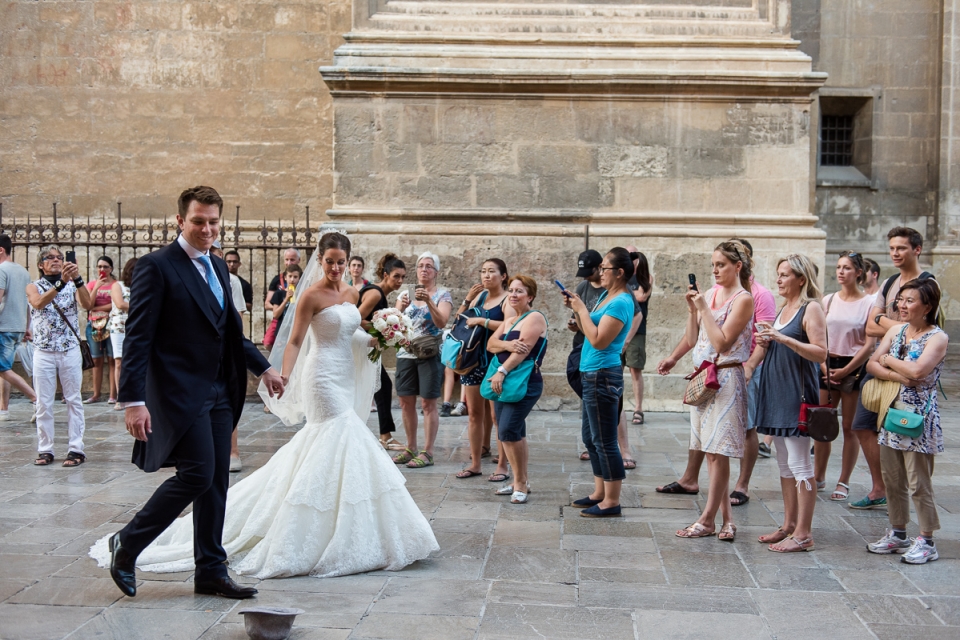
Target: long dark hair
x=622, y=259
x=388, y=264
x=643, y=270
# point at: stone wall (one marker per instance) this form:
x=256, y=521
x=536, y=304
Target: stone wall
x=134, y=101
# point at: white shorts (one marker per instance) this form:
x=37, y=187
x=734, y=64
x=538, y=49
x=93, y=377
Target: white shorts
x=116, y=340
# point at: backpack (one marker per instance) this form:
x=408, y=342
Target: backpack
x=464, y=347
x=926, y=275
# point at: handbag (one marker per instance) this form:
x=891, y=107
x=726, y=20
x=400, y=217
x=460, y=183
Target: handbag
x=464, y=346
x=515, y=384
x=878, y=395
x=908, y=423
x=819, y=421
x=424, y=347
x=100, y=322
x=84, y=347
x=702, y=385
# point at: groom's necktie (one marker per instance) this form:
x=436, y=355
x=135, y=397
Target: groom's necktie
x=212, y=280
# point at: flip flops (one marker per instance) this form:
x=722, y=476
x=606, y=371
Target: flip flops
x=674, y=487
x=468, y=473
x=740, y=497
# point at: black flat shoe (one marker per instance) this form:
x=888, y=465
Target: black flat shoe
x=225, y=587
x=123, y=567
x=596, y=512
x=584, y=502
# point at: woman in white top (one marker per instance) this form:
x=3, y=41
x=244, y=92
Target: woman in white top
x=120, y=296
x=847, y=312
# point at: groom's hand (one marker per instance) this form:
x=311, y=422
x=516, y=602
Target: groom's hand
x=138, y=422
x=273, y=382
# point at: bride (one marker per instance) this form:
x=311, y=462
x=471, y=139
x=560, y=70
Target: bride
x=329, y=502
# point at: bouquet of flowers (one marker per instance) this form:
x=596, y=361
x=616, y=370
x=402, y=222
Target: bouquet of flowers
x=392, y=329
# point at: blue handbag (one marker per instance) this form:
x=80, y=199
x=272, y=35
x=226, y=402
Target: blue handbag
x=464, y=347
x=515, y=384
x=907, y=423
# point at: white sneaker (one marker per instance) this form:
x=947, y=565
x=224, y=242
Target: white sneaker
x=235, y=464
x=889, y=543
x=921, y=552
x=4, y=416
x=459, y=410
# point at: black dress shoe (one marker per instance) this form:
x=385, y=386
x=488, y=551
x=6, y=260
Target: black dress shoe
x=123, y=567
x=225, y=587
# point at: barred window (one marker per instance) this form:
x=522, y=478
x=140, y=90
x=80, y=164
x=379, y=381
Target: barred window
x=836, y=141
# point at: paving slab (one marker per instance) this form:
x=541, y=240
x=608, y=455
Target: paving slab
x=503, y=571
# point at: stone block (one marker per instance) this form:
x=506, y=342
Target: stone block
x=709, y=163
x=634, y=161
x=466, y=124
x=548, y=160
x=467, y=159
x=583, y=192
x=562, y=623
x=509, y=192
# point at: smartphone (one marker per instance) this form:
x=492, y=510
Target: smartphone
x=693, y=281
x=72, y=257
x=563, y=289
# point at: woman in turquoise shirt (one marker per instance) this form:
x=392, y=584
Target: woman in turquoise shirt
x=605, y=328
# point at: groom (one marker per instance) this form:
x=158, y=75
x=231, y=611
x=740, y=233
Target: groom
x=183, y=384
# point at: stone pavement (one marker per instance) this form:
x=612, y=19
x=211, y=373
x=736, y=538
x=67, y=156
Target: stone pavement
x=504, y=571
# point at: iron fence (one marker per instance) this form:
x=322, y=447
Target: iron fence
x=261, y=245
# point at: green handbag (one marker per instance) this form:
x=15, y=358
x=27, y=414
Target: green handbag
x=515, y=384
x=907, y=423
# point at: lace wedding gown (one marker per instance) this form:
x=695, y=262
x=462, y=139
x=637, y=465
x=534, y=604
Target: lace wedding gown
x=328, y=503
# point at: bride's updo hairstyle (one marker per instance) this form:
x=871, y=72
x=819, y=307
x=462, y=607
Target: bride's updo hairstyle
x=333, y=240
x=388, y=264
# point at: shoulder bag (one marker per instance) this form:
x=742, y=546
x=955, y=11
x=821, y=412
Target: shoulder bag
x=84, y=347
x=907, y=423
x=464, y=346
x=515, y=384
x=819, y=421
x=703, y=384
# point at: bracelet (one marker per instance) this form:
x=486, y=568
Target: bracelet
x=466, y=303
x=500, y=369
x=78, y=281
x=486, y=323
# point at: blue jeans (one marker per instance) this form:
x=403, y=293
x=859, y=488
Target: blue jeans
x=8, y=348
x=600, y=414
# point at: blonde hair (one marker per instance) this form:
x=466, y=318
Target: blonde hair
x=803, y=267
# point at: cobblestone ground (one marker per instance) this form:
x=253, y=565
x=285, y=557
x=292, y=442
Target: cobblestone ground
x=504, y=571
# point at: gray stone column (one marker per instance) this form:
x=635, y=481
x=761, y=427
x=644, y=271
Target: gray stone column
x=527, y=131
x=946, y=253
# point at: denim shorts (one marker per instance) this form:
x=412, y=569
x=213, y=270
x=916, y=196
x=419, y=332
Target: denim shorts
x=512, y=416
x=98, y=349
x=8, y=348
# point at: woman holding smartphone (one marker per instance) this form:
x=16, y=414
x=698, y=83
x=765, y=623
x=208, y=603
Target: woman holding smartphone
x=719, y=325
x=605, y=329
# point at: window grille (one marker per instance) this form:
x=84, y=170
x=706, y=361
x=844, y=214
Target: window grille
x=836, y=141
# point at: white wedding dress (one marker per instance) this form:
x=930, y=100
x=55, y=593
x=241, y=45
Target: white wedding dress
x=328, y=503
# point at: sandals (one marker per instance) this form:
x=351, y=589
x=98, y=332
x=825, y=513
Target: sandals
x=629, y=463
x=507, y=490
x=392, y=444
x=485, y=452
x=801, y=545
x=498, y=477
x=840, y=495
x=467, y=473
x=638, y=417
x=43, y=459
x=93, y=400
x=696, y=530
x=821, y=486
x=740, y=497
x=74, y=459
x=773, y=538
x=674, y=487
x=728, y=532
x=404, y=457
x=519, y=497
x=423, y=459
x=585, y=455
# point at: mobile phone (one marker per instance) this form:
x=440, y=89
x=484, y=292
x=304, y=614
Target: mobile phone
x=693, y=281
x=563, y=289
x=72, y=257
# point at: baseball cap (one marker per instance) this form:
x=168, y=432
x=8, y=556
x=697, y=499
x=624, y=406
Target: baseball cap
x=587, y=262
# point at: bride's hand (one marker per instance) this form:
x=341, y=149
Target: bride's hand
x=274, y=382
x=374, y=342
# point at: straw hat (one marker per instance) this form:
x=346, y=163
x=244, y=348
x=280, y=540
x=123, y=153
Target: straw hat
x=877, y=396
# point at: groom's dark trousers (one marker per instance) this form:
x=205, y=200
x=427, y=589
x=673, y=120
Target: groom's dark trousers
x=203, y=474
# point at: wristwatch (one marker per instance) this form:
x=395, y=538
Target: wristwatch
x=59, y=285
x=500, y=369
x=876, y=320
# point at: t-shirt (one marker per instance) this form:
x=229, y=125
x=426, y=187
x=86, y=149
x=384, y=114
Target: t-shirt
x=847, y=323
x=236, y=292
x=589, y=294
x=103, y=296
x=278, y=296
x=623, y=309
x=13, y=314
x=279, y=283
x=421, y=317
x=247, y=291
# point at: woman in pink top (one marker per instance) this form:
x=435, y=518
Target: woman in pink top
x=847, y=312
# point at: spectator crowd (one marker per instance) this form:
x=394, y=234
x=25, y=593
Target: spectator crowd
x=864, y=360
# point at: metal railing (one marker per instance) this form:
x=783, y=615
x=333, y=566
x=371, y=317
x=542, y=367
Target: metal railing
x=260, y=245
